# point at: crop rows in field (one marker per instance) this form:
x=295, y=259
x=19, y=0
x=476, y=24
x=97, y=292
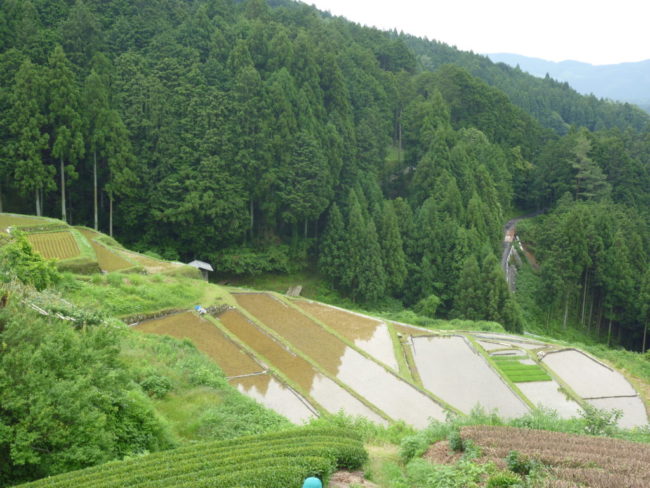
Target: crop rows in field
x=10, y=220
x=574, y=460
x=55, y=245
x=518, y=372
x=273, y=461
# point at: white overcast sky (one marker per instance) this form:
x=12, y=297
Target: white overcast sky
x=592, y=31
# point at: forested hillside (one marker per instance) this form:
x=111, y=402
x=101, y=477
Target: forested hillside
x=273, y=138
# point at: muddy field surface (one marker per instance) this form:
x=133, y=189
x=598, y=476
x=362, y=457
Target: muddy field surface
x=367, y=334
x=398, y=399
x=331, y=396
x=207, y=338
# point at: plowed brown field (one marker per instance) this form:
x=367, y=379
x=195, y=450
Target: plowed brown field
x=208, y=338
x=575, y=460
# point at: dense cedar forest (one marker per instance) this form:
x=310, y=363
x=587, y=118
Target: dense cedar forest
x=274, y=138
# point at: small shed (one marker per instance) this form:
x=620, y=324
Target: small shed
x=203, y=266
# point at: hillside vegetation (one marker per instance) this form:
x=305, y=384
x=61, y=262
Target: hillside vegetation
x=272, y=138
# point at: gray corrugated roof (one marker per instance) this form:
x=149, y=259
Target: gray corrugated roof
x=201, y=265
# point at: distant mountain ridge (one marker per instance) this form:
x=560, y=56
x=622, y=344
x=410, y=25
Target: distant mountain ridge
x=625, y=82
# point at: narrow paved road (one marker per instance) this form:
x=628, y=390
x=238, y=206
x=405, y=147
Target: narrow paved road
x=509, y=234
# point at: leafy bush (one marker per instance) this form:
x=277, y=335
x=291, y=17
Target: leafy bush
x=600, y=422
x=520, y=464
x=456, y=442
x=242, y=261
x=18, y=259
x=503, y=480
x=156, y=385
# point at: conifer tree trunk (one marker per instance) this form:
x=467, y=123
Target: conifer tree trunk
x=110, y=215
x=566, y=310
x=584, y=298
x=64, y=216
x=38, y=203
x=645, y=335
x=95, y=190
x=609, y=330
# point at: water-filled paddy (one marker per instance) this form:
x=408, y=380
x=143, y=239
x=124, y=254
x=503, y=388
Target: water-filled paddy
x=207, y=338
x=634, y=412
x=451, y=369
x=322, y=389
x=395, y=397
x=587, y=377
x=273, y=394
x=548, y=394
x=372, y=336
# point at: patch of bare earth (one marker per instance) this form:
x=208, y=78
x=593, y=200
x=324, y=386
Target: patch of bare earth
x=346, y=479
x=441, y=453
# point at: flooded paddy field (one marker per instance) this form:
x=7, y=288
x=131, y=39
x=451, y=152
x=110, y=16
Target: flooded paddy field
x=586, y=376
x=331, y=396
x=598, y=385
x=450, y=368
x=273, y=394
x=634, y=412
x=367, y=334
x=397, y=398
x=548, y=394
x=207, y=338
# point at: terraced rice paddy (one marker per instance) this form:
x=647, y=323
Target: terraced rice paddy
x=520, y=370
x=548, y=394
x=451, y=369
x=398, y=399
x=208, y=338
x=598, y=384
x=273, y=394
x=10, y=220
x=574, y=460
x=55, y=245
x=331, y=396
x=108, y=260
x=367, y=334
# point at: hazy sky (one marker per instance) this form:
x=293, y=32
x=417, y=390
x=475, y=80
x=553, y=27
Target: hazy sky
x=592, y=31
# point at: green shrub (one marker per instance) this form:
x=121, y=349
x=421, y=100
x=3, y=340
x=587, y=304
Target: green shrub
x=156, y=385
x=456, y=442
x=520, y=464
x=503, y=480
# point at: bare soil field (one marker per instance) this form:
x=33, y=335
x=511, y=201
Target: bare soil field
x=207, y=338
x=573, y=460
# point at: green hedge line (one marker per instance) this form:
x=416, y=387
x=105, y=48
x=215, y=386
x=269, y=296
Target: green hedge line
x=278, y=459
x=280, y=439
